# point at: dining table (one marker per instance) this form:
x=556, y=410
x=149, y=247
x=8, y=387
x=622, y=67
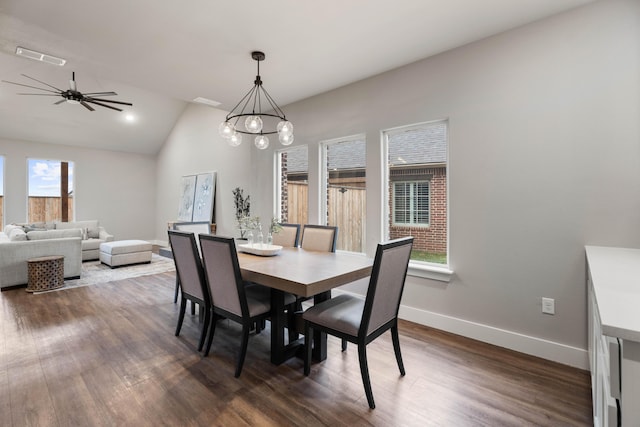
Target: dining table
x=302, y=273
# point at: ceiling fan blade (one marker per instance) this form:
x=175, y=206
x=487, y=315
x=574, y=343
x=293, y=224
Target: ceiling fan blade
x=46, y=84
x=32, y=87
x=89, y=107
x=108, y=100
x=90, y=94
x=60, y=102
x=40, y=94
x=101, y=104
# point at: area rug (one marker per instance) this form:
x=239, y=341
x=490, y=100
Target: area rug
x=94, y=272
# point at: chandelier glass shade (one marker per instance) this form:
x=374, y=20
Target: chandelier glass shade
x=248, y=118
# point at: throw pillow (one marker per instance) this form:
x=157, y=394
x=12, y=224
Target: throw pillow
x=9, y=227
x=54, y=234
x=17, y=235
x=92, y=225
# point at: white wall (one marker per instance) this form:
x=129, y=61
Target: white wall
x=544, y=158
x=193, y=147
x=116, y=188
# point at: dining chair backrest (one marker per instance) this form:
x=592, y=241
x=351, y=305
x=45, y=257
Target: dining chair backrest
x=222, y=273
x=321, y=238
x=196, y=227
x=386, y=284
x=188, y=264
x=288, y=236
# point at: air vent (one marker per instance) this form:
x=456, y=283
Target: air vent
x=201, y=100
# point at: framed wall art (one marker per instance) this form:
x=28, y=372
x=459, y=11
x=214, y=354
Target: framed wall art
x=187, y=197
x=205, y=194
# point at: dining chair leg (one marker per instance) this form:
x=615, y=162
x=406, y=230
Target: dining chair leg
x=183, y=307
x=205, y=326
x=308, y=339
x=175, y=296
x=396, y=347
x=212, y=331
x=344, y=345
x=243, y=348
x=364, y=370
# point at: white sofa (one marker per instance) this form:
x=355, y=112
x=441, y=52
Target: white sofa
x=17, y=246
x=92, y=235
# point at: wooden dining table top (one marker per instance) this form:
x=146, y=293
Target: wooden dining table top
x=304, y=273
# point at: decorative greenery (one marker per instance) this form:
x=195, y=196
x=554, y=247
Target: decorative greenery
x=275, y=226
x=244, y=219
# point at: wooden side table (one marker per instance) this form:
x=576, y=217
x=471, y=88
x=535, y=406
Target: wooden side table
x=45, y=273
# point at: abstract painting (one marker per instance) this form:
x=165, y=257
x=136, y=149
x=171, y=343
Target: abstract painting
x=187, y=196
x=205, y=196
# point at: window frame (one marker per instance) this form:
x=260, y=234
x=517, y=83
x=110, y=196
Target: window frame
x=71, y=182
x=277, y=191
x=413, y=201
x=422, y=269
x=324, y=180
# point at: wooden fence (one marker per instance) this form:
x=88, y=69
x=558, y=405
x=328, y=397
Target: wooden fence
x=346, y=209
x=298, y=197
x=47, y=209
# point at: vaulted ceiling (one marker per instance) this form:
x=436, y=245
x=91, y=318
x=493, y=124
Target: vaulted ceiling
x=161, y=54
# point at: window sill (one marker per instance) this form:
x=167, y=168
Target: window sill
x=428, y=271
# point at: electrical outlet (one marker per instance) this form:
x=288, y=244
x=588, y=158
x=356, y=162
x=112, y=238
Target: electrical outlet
x=548, y=305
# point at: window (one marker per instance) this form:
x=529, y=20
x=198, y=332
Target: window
x=50, y=190
x=293, y=188
x=345, y=190
x=417, y=187
x=411, y=203
x=1, y=193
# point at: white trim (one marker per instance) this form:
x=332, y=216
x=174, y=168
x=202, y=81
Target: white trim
x=161, y=243
x=442, y=274
x=549, y=350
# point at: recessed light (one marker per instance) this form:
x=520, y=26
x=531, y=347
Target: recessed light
x=39, y=56
x=201, y=100
x=130, y=117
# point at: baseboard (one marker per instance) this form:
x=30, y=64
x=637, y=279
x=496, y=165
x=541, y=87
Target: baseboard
x=161, y=243
x=549, y=350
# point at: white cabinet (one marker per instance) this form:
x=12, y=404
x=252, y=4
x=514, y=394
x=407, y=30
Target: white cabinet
x=613, y=294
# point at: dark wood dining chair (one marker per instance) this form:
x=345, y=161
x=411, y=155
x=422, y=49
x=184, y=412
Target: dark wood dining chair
x=361, y=321
x=231, y=297
x=190, y=277
x=195, y=228
x=288, y=236
x=321, y=238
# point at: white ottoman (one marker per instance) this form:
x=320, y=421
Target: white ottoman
x=125, y=252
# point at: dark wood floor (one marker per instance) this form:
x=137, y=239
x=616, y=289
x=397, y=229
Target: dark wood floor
x=106, y=355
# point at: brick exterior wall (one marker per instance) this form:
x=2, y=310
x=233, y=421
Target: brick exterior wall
x=434, y=237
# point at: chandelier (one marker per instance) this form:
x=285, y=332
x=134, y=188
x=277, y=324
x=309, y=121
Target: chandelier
x=247, y=117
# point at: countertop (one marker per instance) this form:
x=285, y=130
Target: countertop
x=615, y=274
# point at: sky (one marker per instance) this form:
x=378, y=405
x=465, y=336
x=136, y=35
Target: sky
x=44, y=177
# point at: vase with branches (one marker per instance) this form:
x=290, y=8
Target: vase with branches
x=244, y=220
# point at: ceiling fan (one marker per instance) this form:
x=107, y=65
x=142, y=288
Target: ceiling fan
x=72, y=95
